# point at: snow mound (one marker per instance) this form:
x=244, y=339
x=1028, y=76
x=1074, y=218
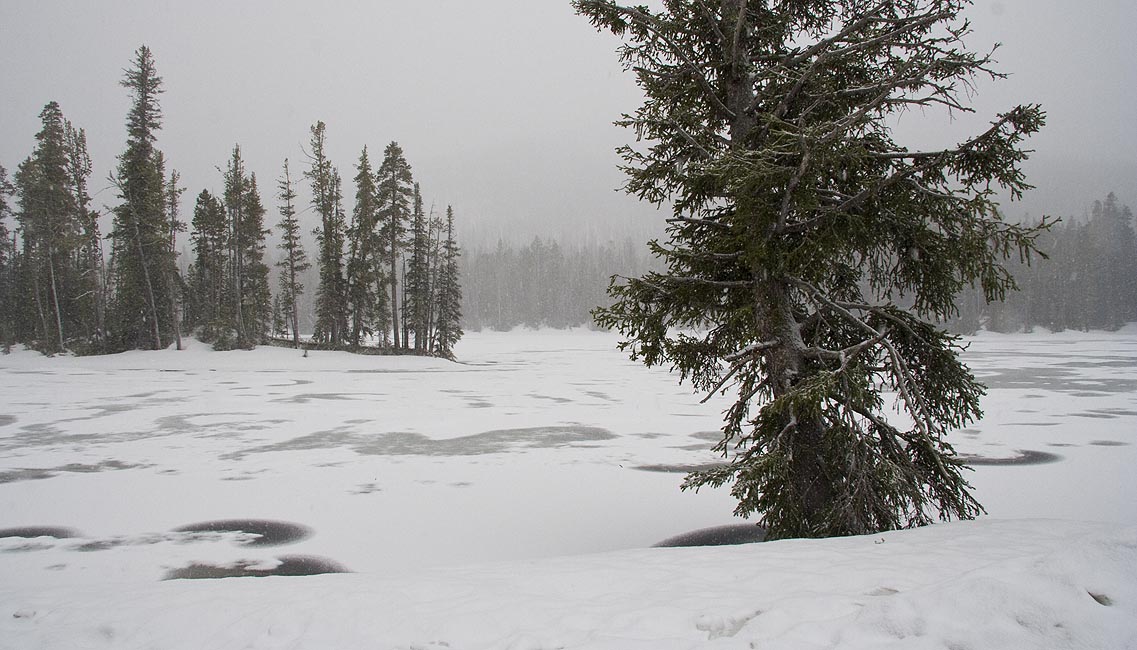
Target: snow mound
x=974, y=585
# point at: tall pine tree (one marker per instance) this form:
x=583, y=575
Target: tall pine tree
x=47, y=218
x=331, y=296
x=419, y=296
x=395, y=191
x=295, y=261
x=449, y=321
x=207, y=283
x=809, y=254
x=140, y=237
x=7, y=264
x=364, y=273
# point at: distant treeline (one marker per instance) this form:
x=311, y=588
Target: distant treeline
x=543, y=284
x=385, y=271
x=1089, y=280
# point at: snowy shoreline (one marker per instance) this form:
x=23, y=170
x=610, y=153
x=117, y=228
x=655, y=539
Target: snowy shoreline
x=497, y=503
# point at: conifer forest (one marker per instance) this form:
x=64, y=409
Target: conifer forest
x=589, y=324
x=382, y=272
x=387, y=279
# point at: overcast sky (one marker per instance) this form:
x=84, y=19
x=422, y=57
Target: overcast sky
x=503, y=107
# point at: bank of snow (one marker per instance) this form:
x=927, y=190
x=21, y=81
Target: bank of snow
x=500, y=503
x=974, y=585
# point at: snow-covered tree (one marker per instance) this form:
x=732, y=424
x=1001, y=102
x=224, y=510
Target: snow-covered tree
x=140, y=238
x=809, y=254
x=331, y=296
x=449, y=315
x=395, y=191
x=295, y=261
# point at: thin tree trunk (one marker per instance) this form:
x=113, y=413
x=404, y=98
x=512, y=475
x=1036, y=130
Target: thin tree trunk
x=174, y=320
x=394, y=296
x=292, y=292
x=55, y=297
x=406, y=332
x=39, y=304
x=152, y=303
x=100, y=291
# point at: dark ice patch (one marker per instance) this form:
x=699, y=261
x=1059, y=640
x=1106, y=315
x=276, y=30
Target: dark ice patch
x=266, y=532
x=289, y=565
x=1058, y=379
x=551, y=398
x=304, y=398
x=58, y=532
x=5, y=419
x=679, y=468
x=1109, y=443
x=1024, y=457
x=416, y=444
x=37, y=473
x=728, y=535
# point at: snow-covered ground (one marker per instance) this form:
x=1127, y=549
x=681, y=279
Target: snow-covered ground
x=503, y=502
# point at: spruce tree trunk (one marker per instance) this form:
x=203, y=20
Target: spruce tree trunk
x=292, y=292
x=171, y=274
x=150, y=300
x=394, y=297
x=55, y=297
x=39, y=304
x=174, y=320
x=100, y=295
x=786, y=366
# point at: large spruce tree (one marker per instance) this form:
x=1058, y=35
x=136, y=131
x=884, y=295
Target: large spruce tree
x=419, y=298
x=60, y=264
x=7, y=264
x=248, y=299
x=140, y=238
x=295, y=261
x=207, y=275
x=809, y=254
x=449, y=313
x=47, y=220
x=367, y=307
x=331, y=295
x=395, y=191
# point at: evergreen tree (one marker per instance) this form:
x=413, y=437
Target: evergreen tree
x=173, y=196
x=61, y=258
x=140, y=238
x=1113, y=264
x=208, y=280
x=395, y=192
x=256, y=298
x=449, y=326
x=419, y=299
x=434, y=246
x=47, y=219
x=364, y=271
x=331, y=296
x=295, y=261
x=91, y=298
x=236, y=205
x=7, y=264
x=799, y=224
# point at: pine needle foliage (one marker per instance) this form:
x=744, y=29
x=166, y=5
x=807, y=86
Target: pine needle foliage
x=809, y=254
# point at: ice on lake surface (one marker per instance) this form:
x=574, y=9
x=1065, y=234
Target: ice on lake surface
x=535, y=445
x=262, y=499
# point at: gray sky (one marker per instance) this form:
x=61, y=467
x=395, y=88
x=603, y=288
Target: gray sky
x=503, y=107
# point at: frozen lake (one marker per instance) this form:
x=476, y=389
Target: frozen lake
x=537, y=444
